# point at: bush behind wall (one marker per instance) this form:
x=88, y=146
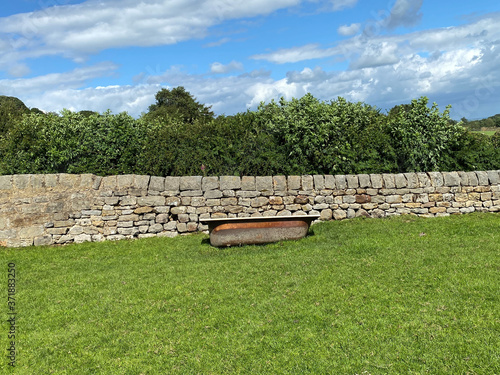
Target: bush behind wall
x=301, y=136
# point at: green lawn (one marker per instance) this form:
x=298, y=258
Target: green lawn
x=401, y=295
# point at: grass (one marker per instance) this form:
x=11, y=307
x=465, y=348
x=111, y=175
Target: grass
x=487, y=132
x=400, y=295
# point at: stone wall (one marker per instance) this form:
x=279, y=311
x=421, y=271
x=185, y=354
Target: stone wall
x=64, y=208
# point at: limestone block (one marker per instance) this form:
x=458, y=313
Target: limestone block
x=464, y=179
x=157, y=183
x=279, y=183
x=319, y=182
x=109, y=183
x=157, y=228
x=5, y=182
x=21, y=181
x=172, y=183
x=400, y=180
x=189, y=183
x=352, y=181
x=389, y=182
x=391, y=199
x=43, y=240
x=230, y=182
x=248, y=183
x=151, y=201
x=326, y=214
x=482, y=178
x=377, y=181
x=264, y=184
x=494, y=177
x=171, y=225
x=211, y=194
x=339, y=214
x=436, y=179
x=178, y=210
x=123, y=182
x=412, y=180
x=364, y=181
x=423, y=180
x=192, y=227
x=209, y=183
x=293, y=182
x=340, y=182
x=259, y=202
x=451, y=179
x=83, y=238
x=307, y=182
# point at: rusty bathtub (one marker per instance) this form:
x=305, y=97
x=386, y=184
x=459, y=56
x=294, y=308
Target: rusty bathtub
x=257, y=230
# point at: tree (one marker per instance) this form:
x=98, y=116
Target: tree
x=11, y=110
x=180, y=104
x=423, y=138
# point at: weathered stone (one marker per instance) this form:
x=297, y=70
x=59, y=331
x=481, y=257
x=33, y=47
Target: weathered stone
x=259, y=202
x=172, y=183
x=43, y=240
x=482, y=178
x=293, y=182
x=400, y=181
x=190, y=183
x=301, y=199
x=211, y=194
x=436, y=179
x=412, y=180
x=389, y=182
x=319, y=182
x=376, y=181
x=451, y=179
x=352, y=181
x=209, y=183
x=364, y=181
x=143, y=210
x=494, y=177
x=248, y=183
x=339, y=214
x=391, y=199
x=329, y=182
x=340, y=182
x=157, y=183
x=178, y=210
x=307, y=182
x=275, y=200
x=230, y=182
x=363, y=198
x=155, y=228
x=279, y=183
x=191, y=193
x=83, y=238
x=151, y=201
x=264, y=184
x=5, y=182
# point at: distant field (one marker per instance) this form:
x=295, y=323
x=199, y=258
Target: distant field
x=489, y=132
x=400, y=295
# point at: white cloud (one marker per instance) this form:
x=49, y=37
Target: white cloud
x=78, y=30
x=55, y=81
x=348, y=30
x=342, y=4
x=377, y=54
x=218, y=68
x=295, y=54
x=405, y=13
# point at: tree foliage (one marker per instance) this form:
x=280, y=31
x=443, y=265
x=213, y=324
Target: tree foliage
x=180, y=104
x=180, y=136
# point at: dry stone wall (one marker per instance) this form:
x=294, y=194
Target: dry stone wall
x=63, y=208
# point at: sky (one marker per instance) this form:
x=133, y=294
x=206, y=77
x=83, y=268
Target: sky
x=234, y=54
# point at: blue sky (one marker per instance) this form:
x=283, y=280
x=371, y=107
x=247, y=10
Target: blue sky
x=234, y=54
